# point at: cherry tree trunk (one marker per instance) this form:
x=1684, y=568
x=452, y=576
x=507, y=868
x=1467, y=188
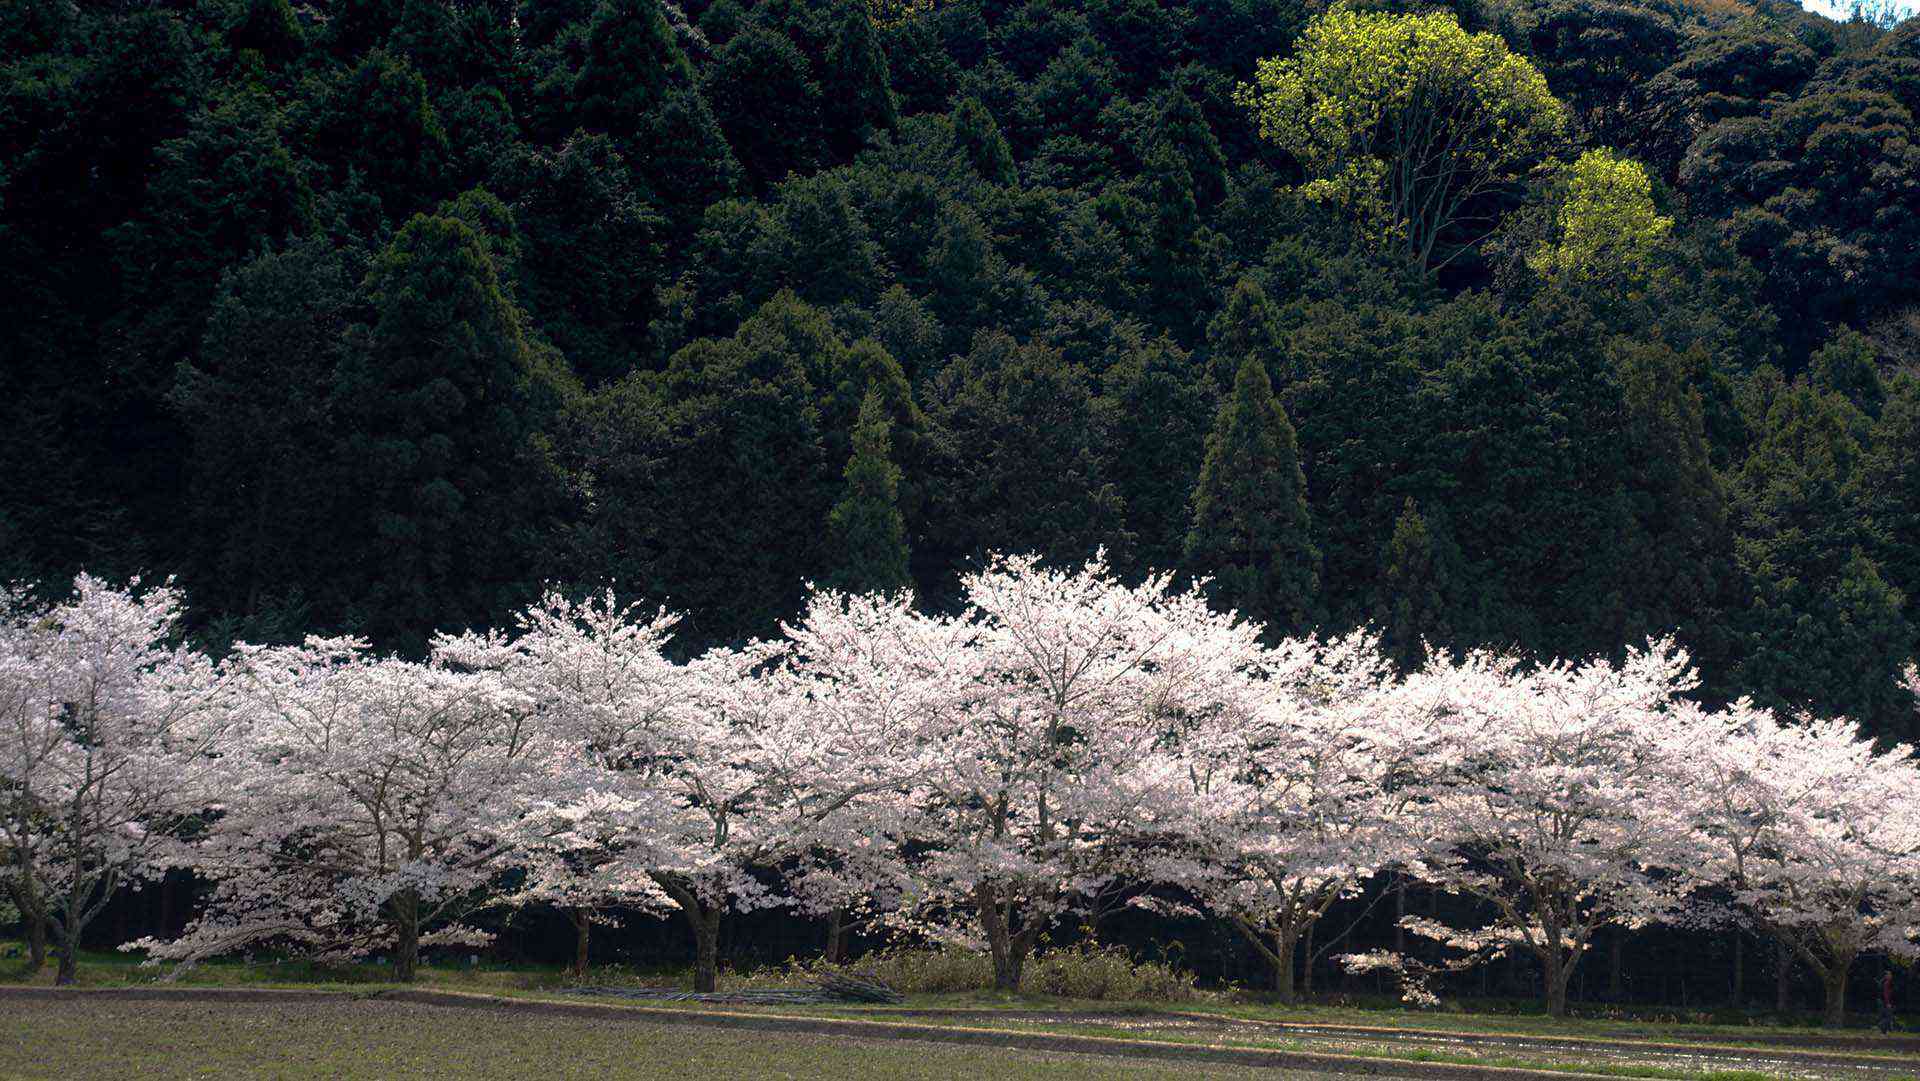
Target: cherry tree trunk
x=36, y=943
x=1739, y=968
x=706, y=948
x=1782, y=973
x=582, y=938
x=1284, y=943
x=1836, y=1004
x=69, y=969
x=1617, y=966
x=406, y=926
x=836, y=936
x=1399, y=912
x=1007, y=948
x=67, y=932
x=33, y=925
x=1306, y=967
x=1557, y=971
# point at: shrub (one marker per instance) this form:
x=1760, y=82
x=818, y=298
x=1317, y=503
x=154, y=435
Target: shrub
x=1084, y=971
x=1107, y=972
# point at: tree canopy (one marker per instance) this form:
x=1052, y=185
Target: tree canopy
x=1590, y=319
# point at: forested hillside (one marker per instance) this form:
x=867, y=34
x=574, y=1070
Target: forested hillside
x=1538, y=323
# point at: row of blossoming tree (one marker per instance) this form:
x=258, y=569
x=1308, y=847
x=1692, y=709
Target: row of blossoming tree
x=971, y=778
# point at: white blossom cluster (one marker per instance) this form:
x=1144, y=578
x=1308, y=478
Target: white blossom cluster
x=974, y=777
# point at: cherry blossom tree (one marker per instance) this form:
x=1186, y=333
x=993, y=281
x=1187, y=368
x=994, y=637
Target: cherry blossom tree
x=691, y=788
x=109, y=745
x=1293, y=803
x=877, y=680
x=371, y=804
x=599, y=678
x=28, y=706
x=1551, y=792
x=1060, y=745
x=1816, y=835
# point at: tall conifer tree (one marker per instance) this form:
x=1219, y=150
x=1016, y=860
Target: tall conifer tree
x=869, y=535
x=1251, y=529
x=442, y=399
x=1411, y=610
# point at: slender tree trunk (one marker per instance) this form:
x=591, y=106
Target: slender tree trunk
x=582, y=920
x=1739, y=968
x=1399, y=912
x=836, y=936
x=1616, y=966
x=1306, y=967
x=68, y=928
x=1782, y=975
x=704, y=922
x=406, y=926
x=33, y=925
x=167, y=893
x=1015, y=970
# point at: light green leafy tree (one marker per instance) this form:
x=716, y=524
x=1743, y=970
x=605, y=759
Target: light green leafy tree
x=1602, y=220
x=1409, y=121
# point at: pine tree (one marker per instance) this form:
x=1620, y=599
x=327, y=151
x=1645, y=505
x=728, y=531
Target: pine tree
x=632, y=63
x=1177, y=285
x=267, y=486
x=590, y=267
x=270, y=28
x=354, y=26
x=981, y=143
x=684, y=158
x=1251, y=529
x=1161, y=408
x=869, y=535
x=1825, y=630
x=440, y=403
x=216, y=194
x=1185, y=128
x=767, y=101
x=1027, y=453
x=1888, y=491
x=1846, y=366
x=639, y=88
x=856, y=98
x=379, y=120
x=540, y=21
x=1411, y=610
x=1246, y=326
x=1681, y=541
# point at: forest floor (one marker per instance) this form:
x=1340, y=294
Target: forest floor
x=1593, y=1046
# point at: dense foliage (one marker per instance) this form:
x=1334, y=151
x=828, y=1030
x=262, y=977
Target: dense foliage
x=1580, y=321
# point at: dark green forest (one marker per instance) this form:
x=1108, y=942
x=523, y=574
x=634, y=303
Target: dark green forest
x=375, y=315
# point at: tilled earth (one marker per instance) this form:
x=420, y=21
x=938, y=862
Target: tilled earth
x=1868, y=1063
x=102, y=1037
